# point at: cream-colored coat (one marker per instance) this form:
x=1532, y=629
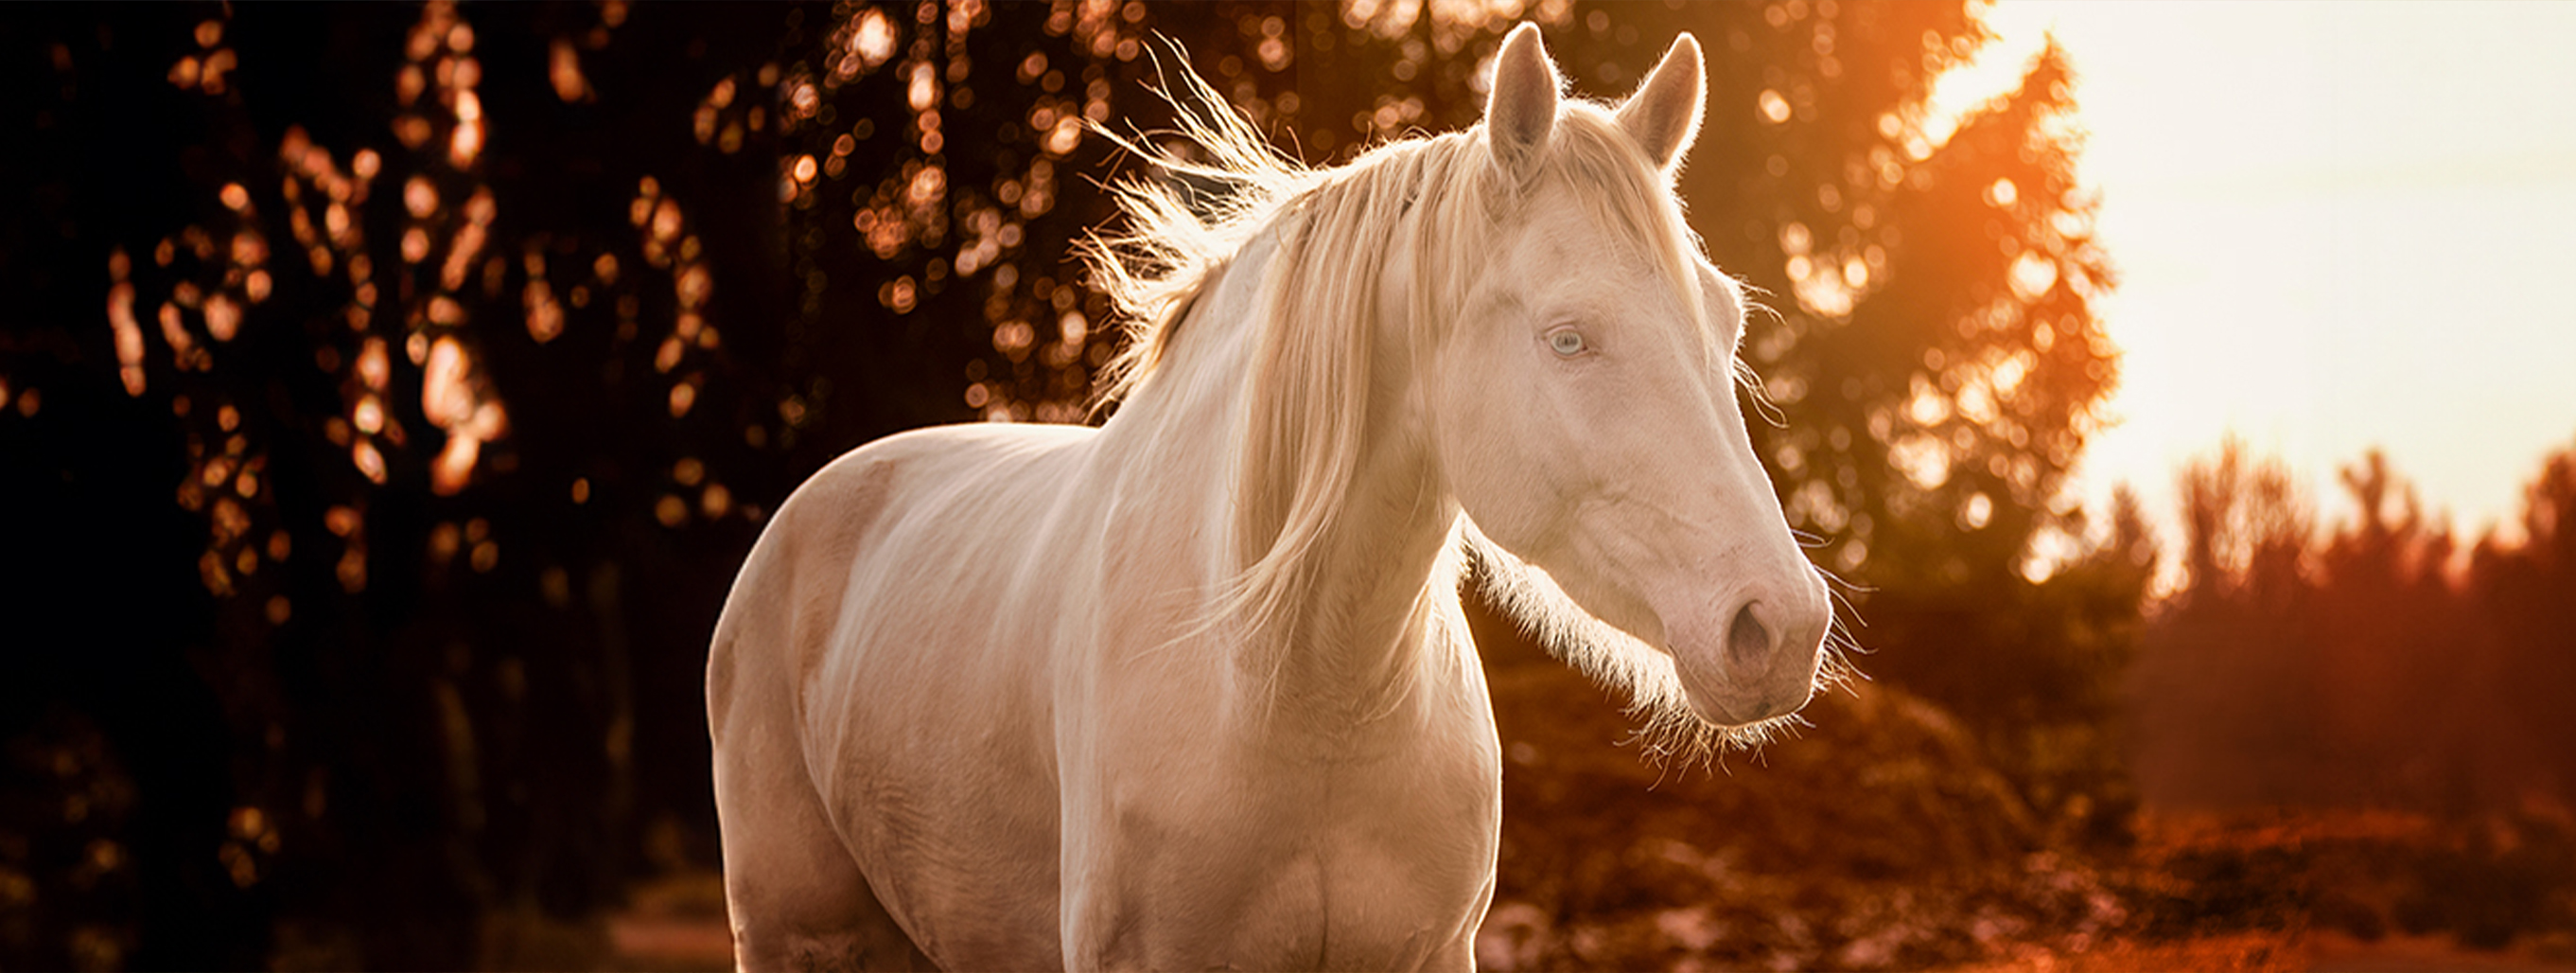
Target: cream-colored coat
x=1192, y=690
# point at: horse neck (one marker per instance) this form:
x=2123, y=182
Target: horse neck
x=1351, y=650
x=1355, y=647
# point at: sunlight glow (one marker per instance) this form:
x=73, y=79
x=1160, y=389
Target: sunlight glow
x=2336, y=226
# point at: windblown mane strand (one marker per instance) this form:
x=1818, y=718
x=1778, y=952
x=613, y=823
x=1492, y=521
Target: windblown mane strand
x=1311, y=376
x=1169, y=251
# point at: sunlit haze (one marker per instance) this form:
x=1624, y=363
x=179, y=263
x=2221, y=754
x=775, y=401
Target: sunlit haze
x=2336, y=226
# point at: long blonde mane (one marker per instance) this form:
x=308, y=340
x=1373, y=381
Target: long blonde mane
x=1437, y=201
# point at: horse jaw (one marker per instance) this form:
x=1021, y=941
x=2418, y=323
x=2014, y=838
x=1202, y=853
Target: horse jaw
x=1717, y=588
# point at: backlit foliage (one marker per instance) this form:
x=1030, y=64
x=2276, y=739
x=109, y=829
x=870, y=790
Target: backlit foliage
x=951, y=233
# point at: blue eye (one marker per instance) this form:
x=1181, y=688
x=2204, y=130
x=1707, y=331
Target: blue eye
x=1568, y=342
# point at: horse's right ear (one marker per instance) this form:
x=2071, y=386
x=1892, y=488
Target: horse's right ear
x=1520, y=114
x=1663, y=116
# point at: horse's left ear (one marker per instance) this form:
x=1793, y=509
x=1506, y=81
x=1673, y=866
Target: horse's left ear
x=1520, y=114
x=1663, y=116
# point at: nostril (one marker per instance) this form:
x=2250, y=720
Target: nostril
x=1747, y=642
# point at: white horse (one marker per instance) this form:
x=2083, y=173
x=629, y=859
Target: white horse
x=1192, y=690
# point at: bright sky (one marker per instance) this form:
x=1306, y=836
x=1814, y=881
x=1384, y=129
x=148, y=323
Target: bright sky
x=2337, y=225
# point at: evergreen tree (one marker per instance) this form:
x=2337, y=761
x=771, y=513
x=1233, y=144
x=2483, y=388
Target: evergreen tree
x=2526, y=593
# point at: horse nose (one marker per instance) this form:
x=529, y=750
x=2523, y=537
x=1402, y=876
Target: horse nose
x=1794, y=620
x=1774, y=642
x=1748, y=641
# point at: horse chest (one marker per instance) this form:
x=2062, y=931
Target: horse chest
x=1373, y=864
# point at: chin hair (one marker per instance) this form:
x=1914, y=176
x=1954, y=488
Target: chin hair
x=1668, y=731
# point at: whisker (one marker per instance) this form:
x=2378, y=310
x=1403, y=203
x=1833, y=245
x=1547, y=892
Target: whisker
x=1759, y=394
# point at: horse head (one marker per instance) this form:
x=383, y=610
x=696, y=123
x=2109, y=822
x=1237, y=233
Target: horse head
x=1583, y=401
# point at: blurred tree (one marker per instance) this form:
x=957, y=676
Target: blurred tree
x=2226, y=666
x=365, y=519
x=2246, y=528
x=2404, y=675
x=2526, y=592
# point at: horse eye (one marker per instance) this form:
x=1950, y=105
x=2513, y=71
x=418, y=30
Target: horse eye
x=1568, y=343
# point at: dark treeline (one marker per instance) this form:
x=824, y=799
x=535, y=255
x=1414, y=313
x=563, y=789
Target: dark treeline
x=2374, y=663
x=2382, y=712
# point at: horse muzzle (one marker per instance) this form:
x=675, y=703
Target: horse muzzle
x=1756, y=657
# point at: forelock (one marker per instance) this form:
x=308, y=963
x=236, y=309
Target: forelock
x=1625, y=194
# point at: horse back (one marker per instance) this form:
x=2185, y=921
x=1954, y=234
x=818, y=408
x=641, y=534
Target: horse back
x=930, y=511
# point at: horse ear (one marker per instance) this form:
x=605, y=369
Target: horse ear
x=1521, y=112
x=1663, y=116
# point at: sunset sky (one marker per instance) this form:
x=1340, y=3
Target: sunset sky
x=2336, y=226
